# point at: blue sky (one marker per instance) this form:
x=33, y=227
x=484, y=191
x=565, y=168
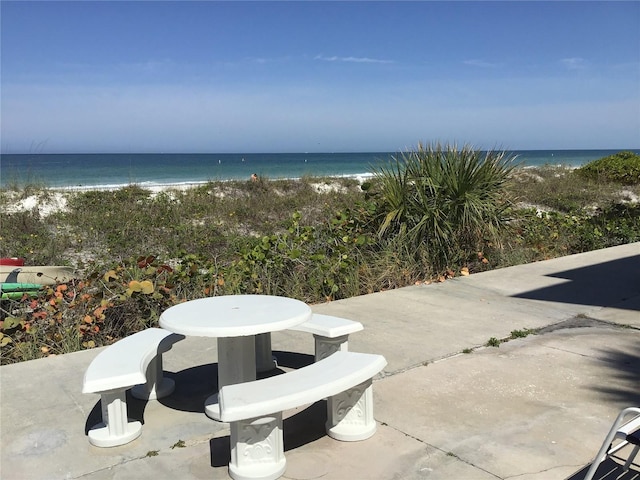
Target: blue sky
x=317, y=76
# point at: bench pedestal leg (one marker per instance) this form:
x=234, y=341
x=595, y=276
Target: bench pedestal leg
x=350, y=414
x=115, y=428
x=157, y=386
x=257, y=449
x=325, y=346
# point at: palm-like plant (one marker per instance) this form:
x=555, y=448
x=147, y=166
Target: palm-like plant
x=443, y=199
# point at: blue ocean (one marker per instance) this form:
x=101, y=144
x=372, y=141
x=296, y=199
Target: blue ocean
x=88, y=171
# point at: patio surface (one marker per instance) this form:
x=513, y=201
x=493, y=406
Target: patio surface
x=536, y=407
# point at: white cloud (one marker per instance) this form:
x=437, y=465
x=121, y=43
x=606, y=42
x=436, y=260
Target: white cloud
x=351, y=59
x=480, y=63
x=266, y=60
x=574, y=63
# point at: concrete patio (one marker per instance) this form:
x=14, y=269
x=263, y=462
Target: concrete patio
x=536, y=407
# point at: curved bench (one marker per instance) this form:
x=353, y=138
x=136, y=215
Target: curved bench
x=135, y=361
x=254, y=409
x=331, y=334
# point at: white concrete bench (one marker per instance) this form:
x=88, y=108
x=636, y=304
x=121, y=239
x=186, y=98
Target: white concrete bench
x=135, y=361
x=331, y=335
x=255, y=409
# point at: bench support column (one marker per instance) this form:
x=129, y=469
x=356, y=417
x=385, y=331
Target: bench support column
x=350, y=414
x=115, y=428
x=326, y=346
x=257, y=448
x=157, y=385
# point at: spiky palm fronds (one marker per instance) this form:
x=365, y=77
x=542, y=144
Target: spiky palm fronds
x=443, y=198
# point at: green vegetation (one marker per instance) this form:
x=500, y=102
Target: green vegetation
x=622, y=167
x=522, y=333
x=493, y=342
x=429, y=215
x=564, y=190
x=444, y=201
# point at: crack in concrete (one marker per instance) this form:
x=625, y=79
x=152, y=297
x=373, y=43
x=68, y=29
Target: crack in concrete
x=149, y=454
x=446, y=452
x=543, y=471
x=581, y=321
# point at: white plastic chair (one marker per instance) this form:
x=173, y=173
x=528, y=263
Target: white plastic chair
x=624, y=431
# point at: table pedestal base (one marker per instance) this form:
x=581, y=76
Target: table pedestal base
x=236, y=364
x=264, y=358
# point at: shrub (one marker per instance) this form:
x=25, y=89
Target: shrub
x=306, y=262
x=553, y=234
x=27, y=234
x=622, y=167
x=109, y=304
x=138, y=253
x=446, y=200
x=559, y=188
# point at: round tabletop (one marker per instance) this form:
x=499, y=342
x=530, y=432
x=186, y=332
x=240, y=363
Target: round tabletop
x=234, y=315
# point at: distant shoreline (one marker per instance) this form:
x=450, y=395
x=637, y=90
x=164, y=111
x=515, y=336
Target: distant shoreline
x=158, y=187
x=161, y=187
x=79, y=172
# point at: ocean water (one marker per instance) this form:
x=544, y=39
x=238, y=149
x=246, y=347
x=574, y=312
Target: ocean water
x=87, y=171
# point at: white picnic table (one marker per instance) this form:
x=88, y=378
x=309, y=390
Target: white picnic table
x=236, y=321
